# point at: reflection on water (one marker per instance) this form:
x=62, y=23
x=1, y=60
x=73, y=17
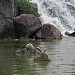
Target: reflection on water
x=61, y=53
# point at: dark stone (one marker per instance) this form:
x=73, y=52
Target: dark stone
x=70, y=34
x=9, y=8
x=48, y=31
x=6, y=27
x=25, y=24
x=67, y=33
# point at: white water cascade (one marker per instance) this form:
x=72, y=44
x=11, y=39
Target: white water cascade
x=60, y=13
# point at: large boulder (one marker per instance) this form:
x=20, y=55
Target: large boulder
x=6, y=27
x=48, y=31
x=25, y=24
x=9, y=8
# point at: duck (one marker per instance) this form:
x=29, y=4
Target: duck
x=29, y=47
x=42, y=57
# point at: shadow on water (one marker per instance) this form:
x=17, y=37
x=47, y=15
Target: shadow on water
x=61, y=53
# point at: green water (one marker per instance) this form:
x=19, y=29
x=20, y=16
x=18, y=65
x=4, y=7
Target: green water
x=61, y=53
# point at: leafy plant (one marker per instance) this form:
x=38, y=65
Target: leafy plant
x=27, y=7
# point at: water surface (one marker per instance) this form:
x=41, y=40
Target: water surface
x=61, y=53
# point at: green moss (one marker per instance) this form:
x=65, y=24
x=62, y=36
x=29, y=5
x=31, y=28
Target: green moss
x=27, y=7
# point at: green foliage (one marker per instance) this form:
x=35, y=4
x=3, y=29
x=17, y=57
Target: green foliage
x=28, y=7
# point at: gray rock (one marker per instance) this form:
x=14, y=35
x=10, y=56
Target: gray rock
x=48, y=31
x=25, y=24
x=72, y=34
x=9, y=8
x=6, y=27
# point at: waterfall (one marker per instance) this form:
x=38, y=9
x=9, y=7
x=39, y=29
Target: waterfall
x=60, y=13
